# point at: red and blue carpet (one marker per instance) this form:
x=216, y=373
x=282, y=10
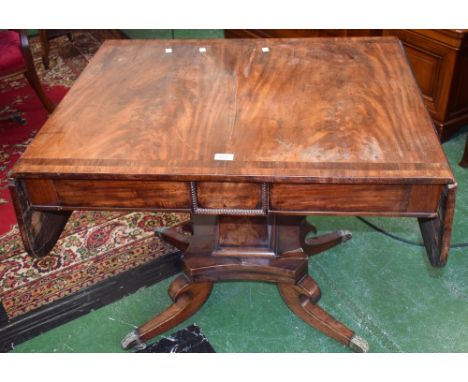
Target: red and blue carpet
x=100, y=256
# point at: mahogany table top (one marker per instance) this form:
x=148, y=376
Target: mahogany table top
x=341, y=110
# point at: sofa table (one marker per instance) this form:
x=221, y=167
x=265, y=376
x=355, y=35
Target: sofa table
x=249, y=136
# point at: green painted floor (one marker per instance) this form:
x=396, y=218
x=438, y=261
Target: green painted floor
x=383, y=289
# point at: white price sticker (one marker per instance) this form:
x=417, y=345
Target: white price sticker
x=223, y=156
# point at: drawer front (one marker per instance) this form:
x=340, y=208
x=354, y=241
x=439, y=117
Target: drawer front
x=109, y=194
x=229, y=198
x=229, y=195
x=355, y=198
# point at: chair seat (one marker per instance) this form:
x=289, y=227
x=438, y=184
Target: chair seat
x=11, y=57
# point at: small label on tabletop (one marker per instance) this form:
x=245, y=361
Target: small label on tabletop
x=223, y=156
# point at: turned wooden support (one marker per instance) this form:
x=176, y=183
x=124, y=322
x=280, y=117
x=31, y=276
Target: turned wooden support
x=261, y=248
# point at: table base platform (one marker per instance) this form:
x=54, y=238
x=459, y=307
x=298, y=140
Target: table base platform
x=262, y=248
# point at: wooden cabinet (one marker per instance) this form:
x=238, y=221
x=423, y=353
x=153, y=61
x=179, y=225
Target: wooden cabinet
x=292, y=33
x=439, y=59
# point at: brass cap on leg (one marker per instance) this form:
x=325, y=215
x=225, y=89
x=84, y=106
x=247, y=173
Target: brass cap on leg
x=345, y=235
x=132, y=341
x=358, y=344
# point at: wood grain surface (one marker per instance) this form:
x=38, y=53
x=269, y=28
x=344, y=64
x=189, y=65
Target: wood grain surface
x=229, y=195
x=338, y=110
x=355, y=198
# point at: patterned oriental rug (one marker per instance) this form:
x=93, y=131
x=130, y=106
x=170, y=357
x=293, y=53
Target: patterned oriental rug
x=95, y=246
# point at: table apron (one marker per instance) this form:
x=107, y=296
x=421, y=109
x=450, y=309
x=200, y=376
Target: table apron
x=235, y=198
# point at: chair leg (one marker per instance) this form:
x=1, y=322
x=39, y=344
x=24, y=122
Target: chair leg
x=45, y=45
x=36, y=85
x=31, y=74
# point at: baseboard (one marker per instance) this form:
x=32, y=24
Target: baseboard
x=38, y=321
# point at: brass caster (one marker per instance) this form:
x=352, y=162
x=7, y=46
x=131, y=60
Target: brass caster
x=359, y=344
x=132, y=341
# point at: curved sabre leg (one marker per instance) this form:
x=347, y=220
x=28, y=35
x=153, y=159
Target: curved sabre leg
x=174, y=237
x=301, y=298
x=188, y=297
x=317, y=244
